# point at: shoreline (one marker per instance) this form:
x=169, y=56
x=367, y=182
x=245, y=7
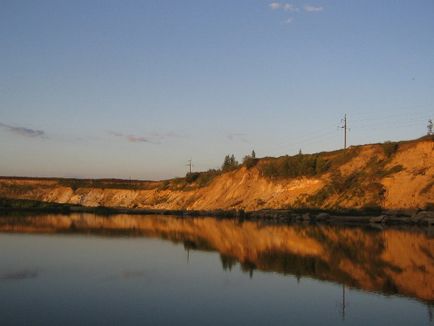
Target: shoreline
x=307, y=215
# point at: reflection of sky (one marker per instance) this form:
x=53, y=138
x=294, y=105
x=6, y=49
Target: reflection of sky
x=139, y=280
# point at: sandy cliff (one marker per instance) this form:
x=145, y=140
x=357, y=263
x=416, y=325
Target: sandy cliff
x=391, y=176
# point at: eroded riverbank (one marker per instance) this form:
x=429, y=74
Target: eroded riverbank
x=356, y=217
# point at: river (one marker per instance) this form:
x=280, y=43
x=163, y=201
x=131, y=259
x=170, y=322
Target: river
x=91, y=269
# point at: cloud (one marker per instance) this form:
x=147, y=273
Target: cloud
x=22, y=131
x=283, y=6
x=312, y=8
x=137, y=139
x=131, y=138
x=288, y=21
x=165, y=135
x=114, y=133
x=275, y=5
x=152, y=138
x=237, y=137
x=289, y=7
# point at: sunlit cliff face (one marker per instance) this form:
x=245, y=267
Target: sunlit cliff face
x=390, y=261
x=362, y=177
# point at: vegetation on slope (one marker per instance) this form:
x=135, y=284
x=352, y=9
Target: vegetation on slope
x=359, y=177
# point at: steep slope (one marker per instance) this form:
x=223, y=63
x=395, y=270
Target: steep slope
x=390, y=175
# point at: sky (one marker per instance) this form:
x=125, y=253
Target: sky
x=134, y=89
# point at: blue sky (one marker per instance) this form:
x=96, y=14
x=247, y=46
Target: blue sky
x=136, y=88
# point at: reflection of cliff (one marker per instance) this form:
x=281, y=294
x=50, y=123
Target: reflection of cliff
x=389, y=261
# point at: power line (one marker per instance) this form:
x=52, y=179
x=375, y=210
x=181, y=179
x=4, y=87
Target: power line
x=401, y=110
x=302, y=140
x=390, y=117
x=365, y=121
x=408, y=123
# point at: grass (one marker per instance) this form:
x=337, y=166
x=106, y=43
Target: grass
x=202, y=179
x=364, y=185
x=390, y=148
x=294, y=166
x=74, y=184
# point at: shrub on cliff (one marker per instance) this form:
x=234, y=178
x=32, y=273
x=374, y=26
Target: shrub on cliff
x=250, y=161
x=229, y=163
x=389, y=148
x=295, y=166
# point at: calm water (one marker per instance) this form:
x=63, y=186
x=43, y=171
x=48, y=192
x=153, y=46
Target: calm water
x=161, y=270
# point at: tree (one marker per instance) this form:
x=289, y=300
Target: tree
x=226, y=163
x=234, y=162
x=229, y=163
x=250, y=160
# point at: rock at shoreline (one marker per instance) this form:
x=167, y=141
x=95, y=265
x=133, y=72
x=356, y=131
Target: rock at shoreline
x=378, y=219
x=322, y=216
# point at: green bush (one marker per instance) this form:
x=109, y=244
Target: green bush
x=206, y=177
x=295, y=166
x=229, y=163
x=202, y=178
x=249, y=161
x=389, y=148
x=191, y=177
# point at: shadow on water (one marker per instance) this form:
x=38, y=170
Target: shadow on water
x=393, y=261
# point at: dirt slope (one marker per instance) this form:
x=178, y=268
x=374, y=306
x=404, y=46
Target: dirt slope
x=391, y=176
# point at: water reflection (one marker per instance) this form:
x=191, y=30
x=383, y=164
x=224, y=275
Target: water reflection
x=19, y=275
x=390, y=261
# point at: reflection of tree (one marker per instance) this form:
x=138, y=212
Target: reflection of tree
x=289, y=263
x=248, y=267
x=390, y=261
x=227, y=262
x=430, y=312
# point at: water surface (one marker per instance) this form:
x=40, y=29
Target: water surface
x=158, y=270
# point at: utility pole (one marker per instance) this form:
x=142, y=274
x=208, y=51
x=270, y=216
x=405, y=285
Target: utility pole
x=189, y=164
x=345, y=127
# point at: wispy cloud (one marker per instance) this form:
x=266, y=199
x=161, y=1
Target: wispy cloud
x=130, y=138
x=22, y=131
x=283, y=6
x=152, y=138
x=275, y=5
x=165, y=135
x=312, y=8
x=115, y=133
x=137, y=139
x=288, y=7
x=237, y=137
